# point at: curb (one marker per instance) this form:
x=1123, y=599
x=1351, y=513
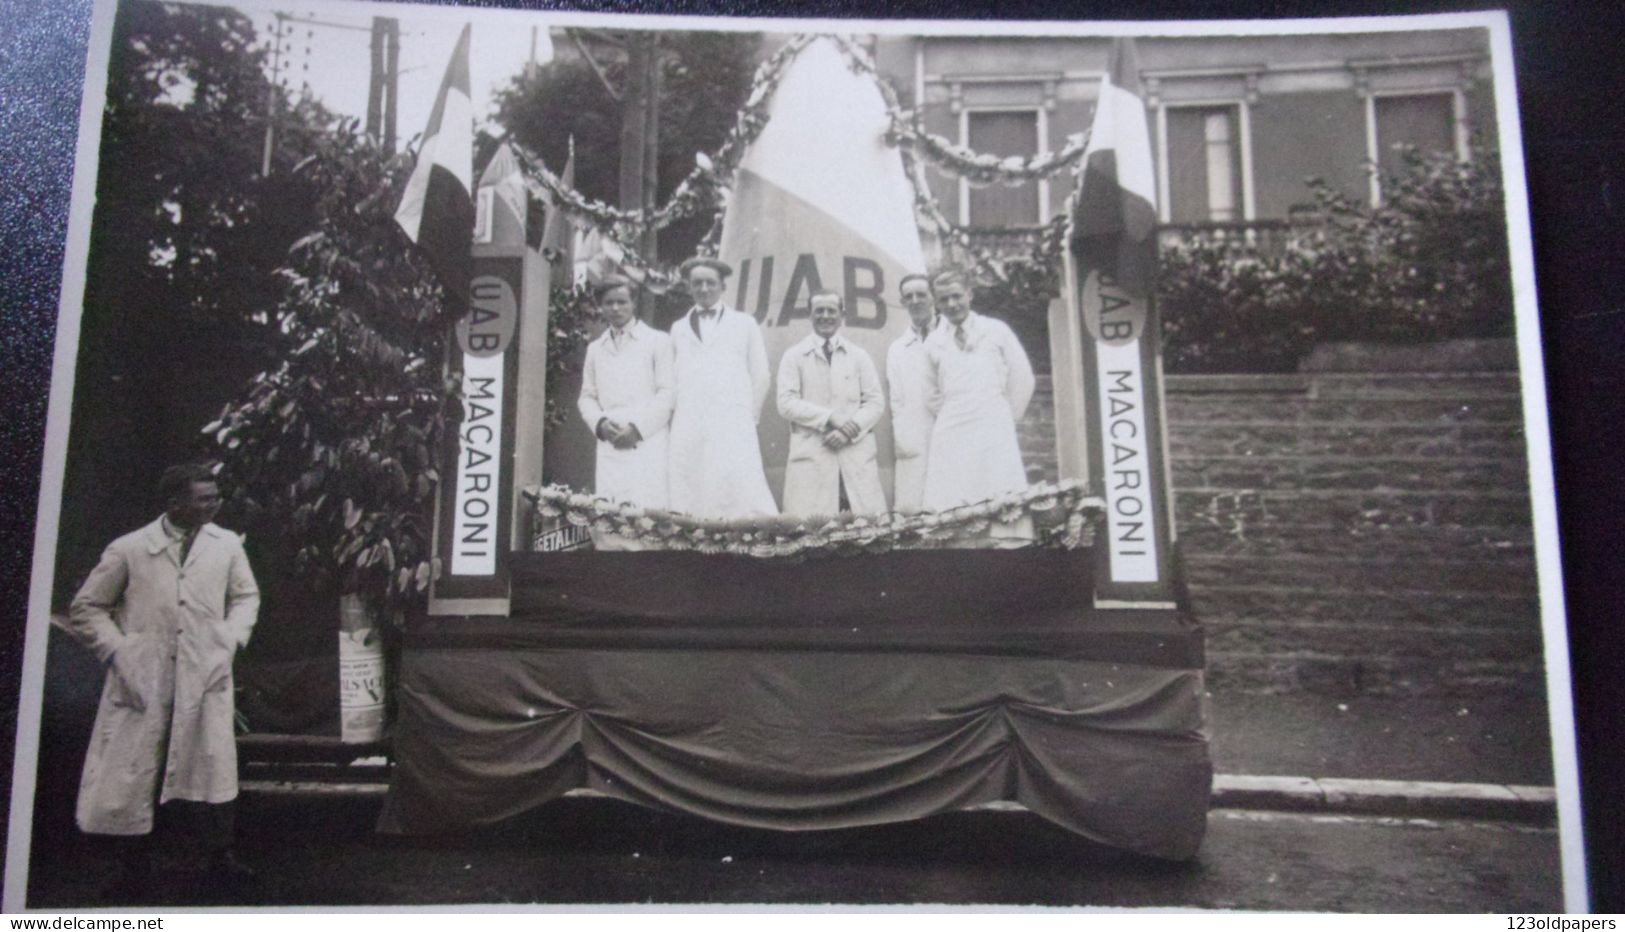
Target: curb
x=1327, y=796
x=1402, y=798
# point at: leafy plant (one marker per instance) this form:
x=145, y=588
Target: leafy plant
x=1430, y=263
x=705, y=78
x=336, y=448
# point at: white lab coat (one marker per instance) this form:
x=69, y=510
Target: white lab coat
x=630, y=383
x=179, y=626
x=813, y=390
x=978, y=394
x=908, y=373
x=722, y=380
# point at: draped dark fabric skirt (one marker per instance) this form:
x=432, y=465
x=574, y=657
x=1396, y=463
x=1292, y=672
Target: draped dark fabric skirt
x=814, y=695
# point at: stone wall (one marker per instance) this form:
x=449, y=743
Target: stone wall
x=1353, y=533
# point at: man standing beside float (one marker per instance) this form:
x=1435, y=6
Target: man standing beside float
x=626, y=399
x=722, y=381
x=830, y=393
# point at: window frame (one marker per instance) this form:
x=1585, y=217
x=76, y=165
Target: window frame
x=1373, y=146
x=1244, y=149
x=1042, y=113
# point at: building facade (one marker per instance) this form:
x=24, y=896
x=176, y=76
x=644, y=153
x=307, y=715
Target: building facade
x=1240, y=123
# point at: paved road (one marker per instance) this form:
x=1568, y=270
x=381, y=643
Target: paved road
x=323, y=852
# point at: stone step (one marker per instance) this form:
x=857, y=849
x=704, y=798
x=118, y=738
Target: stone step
x=1192, y=439
x=1351, y=677
x=1234, y=604
x=1413, y=474
x=1343, y=606
x=1211, y=409
x=1338, y=385
x=1252, y=511
x=1452, y=385
x=1442, y=641
x=1385, y=575
x=1507, y=546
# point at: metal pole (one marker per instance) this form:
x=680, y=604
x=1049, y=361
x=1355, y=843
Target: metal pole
x=392, y=79
x=375, y=80
x=271, y=97
x=651, y=146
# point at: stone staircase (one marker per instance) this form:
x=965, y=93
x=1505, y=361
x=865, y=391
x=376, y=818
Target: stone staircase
x=1351, y=534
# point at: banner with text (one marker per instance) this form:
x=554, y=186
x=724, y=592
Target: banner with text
x=821, y=201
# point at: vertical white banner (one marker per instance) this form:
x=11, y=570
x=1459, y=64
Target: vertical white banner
x=1128, y=476
x=479, y=469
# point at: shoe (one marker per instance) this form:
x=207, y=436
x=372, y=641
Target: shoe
x=226, y=869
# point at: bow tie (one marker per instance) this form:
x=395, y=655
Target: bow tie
x=707, y=313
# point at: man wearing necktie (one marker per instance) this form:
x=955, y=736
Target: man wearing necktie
x=720, y=366
x=830, y=394
x=981, y=382
x=626, y=399
x=166, y=611
x=909, y=375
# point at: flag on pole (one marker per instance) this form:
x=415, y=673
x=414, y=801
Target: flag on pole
x=437, y=209
x=500, y=201
x=558, y=233
x=1110, y=277
x=1116, y=216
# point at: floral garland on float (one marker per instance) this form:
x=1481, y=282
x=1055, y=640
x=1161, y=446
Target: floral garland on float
x=708, y=184
x=1064, y=517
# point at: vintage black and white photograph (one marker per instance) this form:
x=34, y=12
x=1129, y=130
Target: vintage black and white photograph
x=538, y=458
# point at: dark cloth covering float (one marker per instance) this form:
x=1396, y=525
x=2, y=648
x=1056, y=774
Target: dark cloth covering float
x=797, y=696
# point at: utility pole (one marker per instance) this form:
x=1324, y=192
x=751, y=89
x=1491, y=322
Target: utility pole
x=375, y=80
x=385, y=50
x=651, y=145
x=272, y=98
x=392, y=78
x=640, y=134
x=635, y=119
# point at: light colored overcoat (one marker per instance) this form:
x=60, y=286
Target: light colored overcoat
x=812, y=390
x=722, y=381
x=181, y=625
x=908, y=375
x=630, y=382
x=978, y=393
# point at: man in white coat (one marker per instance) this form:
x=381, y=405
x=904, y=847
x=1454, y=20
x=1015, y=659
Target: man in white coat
x=166, y=610
x=908, y=373
x=830, y=393
x=720, y=364
x=981, y=382
x=627, y=392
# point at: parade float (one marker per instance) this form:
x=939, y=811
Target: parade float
x=829, y=671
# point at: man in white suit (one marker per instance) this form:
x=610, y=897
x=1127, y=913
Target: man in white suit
x=908, y=373
x=981, y=382
x=722, y=381
x=830, y=393
x=626, y=399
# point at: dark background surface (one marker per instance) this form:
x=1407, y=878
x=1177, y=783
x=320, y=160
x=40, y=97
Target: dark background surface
x=1572, y=99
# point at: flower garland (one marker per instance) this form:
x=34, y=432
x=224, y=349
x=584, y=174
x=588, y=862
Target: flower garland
x=1063, y=516
x=978, y=168
x=708, y=184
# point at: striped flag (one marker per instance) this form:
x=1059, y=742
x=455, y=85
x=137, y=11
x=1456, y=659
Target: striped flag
x=1111, y=274
x=437, y=210
x=558, y=233
x=1113, y=225
x=500, y=201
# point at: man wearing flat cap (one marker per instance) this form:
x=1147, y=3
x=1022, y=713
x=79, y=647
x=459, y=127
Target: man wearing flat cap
x=720, y=364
